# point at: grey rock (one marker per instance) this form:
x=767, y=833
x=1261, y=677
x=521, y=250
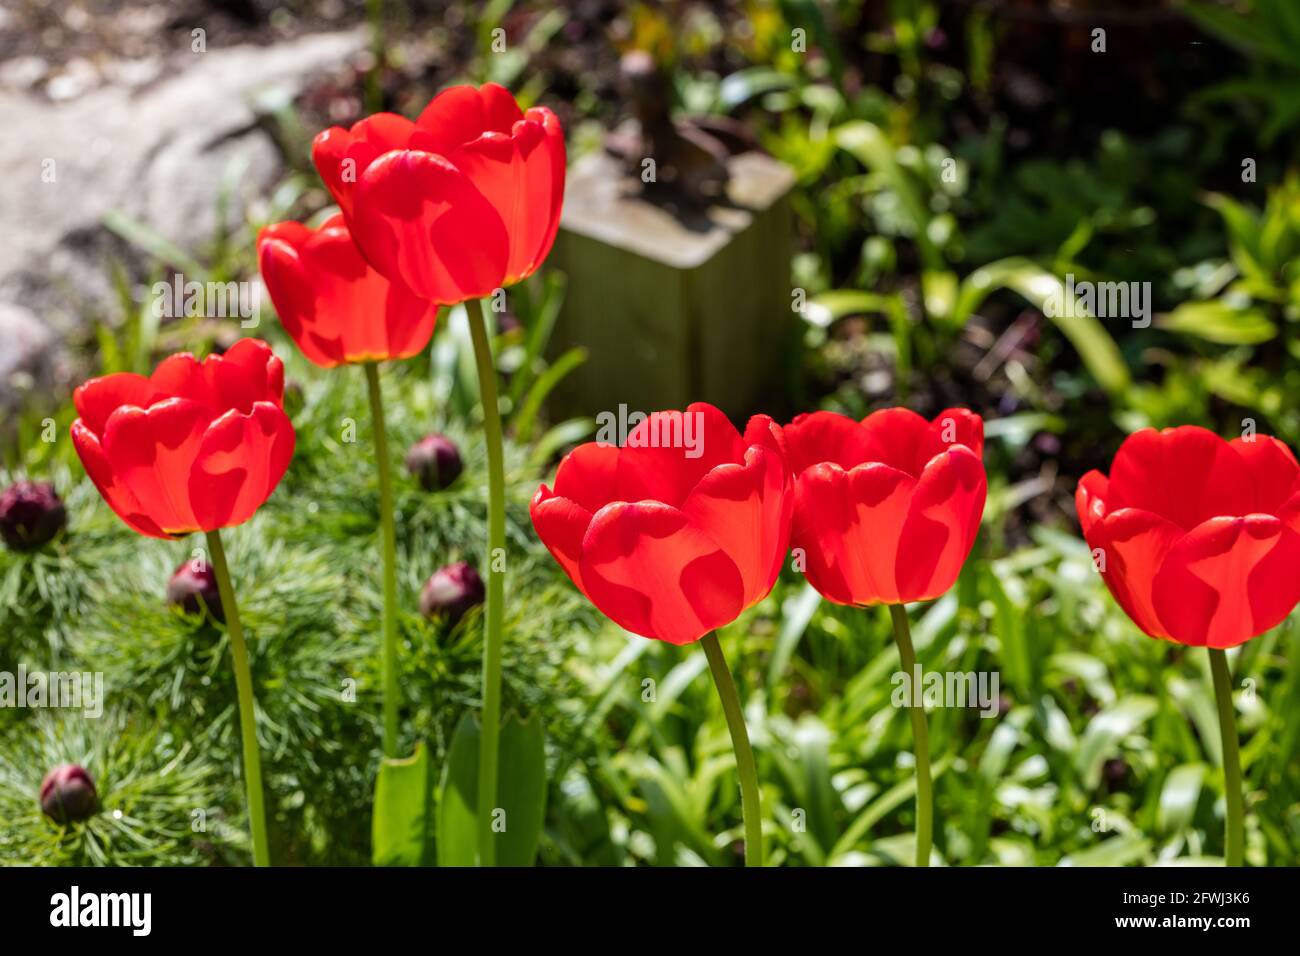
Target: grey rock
x=28, y=361
x=157, y=152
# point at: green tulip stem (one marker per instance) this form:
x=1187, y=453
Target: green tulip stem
x=489, y=740
x=247, y=707
x=750, y=805
x=388, y=532
x=1234, y=826
x=920, y=737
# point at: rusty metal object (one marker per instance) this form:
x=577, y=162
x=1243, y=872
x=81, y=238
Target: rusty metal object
x=674, y=159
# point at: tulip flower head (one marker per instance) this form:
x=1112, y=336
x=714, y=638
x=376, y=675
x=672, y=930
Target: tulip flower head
x=886, y=510
x=332, y=303
x=195, y=446
x=1197, y=538
x=671, y=542
x=459, y=203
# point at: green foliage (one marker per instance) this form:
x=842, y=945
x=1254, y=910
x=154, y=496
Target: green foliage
x=521, y=795
x=403, y=813
x=1267, y=32
x=1240, y=319
x=161, y=798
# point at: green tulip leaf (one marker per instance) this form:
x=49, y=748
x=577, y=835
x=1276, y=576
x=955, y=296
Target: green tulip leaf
x=402, y=824
x=521, y=794
x=1036, y=285
x=1178, y=798
x=1221, y=323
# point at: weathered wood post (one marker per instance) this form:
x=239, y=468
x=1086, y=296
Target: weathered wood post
x=677, y=299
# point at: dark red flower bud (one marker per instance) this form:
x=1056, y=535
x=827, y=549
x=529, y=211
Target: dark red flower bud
x=30, y=514
x=452, y=591
x=68, y=794
x=435, y=462
x=192, y=587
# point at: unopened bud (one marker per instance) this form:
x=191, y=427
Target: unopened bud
x=193, y=586
x=452, y=591
x=31, y=513
x=68, y=794
x=434, y=461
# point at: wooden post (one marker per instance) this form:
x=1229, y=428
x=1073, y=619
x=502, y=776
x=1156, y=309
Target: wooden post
x=675, y=305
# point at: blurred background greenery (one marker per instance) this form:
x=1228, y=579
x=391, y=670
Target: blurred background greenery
x=955, y=161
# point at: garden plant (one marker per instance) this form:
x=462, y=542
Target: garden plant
x=1002, y=570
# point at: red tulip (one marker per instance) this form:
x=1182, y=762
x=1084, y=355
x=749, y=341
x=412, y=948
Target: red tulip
x=1197, y=538
x=885, y=511
x=196, y=446
x=667, y=545
x=462, y=201
x=334, y=305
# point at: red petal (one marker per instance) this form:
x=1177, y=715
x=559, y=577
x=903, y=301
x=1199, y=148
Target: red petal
x=554, y=146
x=1273, y=468
x=1228, y=580
x=118, y=496
x=151, y=451
x=1133, y=544
x=825, y=436
x=240, y=461
x=745, y=510
x=100, y=397
x=418, y=218
x=342, y=155
x=847, y=527
x=900, y=438
x=408, y=325
x=248, y=372
x=517, y=172
x=181, y=376
x=667, y=454
x=1090, y=499
x=561, y=525
x=647, y=569
x=1289, y=513
x=290, y=287
x=335, y=306
x=957, y=426
x=762, y=430
x=587, y=475
x=500, y=111
x=942, y=524
x=461, y=114
x=261, y=369
x=1185, y=474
